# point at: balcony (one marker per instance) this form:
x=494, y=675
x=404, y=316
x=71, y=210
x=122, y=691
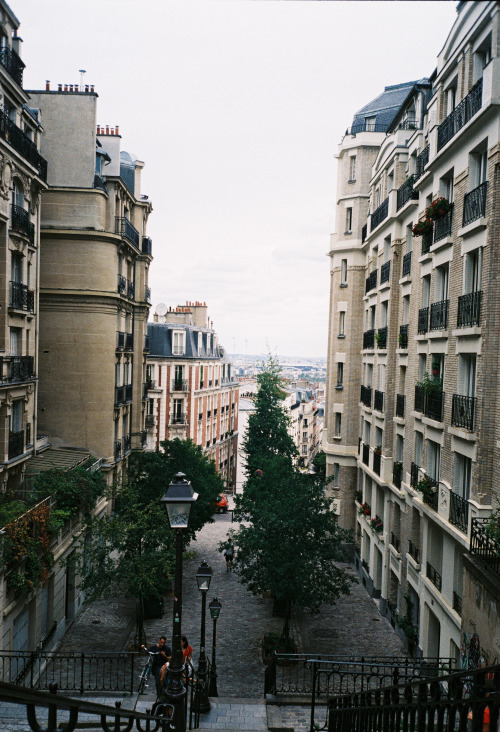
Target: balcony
x=122, y=285
x=12, y=64
x=434, y=404
x=427, y=241
x=484, y=545
x=129, y=341
x=439, y=315
x=406, y=265
x=126, y=443
x=21, y=224
x=179, y=385
x=150, y=420
x=419, y=398
x=413, y=551
x=385, y=272
x=403, y=337
x=178, y=418
x=469, y=309
x=371, y=281
x=381, y=337
x=429, y=491
x=147, y=246
x=421, y=162
x=117, y=449
x=369, y=339
x=397, y=474
x=367, y=127
x=459, y=512
x=366, y=454
x=463, y=409
x=21, y=298
x=463, y=112
x=423, y=320
x=119, y=395
x=366, y=395
x=405, y=193
x=379, y=214
x=414, y=468
x=434, y=576
x=120, y=340
x=130, y=290
x=22, y=368
x=125, y=229
x=400, y=406
x=396, y=542
x=378, y=401
x=22, y=144
x=377, y=460
x=442, y=227
x=475, y=204
x=100, y=183
x=16, y=444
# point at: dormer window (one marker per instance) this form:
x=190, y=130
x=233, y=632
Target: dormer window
x=179, y=342
x=200, y=344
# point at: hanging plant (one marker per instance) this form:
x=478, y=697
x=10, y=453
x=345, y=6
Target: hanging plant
x=422, y=227
x=438, y=209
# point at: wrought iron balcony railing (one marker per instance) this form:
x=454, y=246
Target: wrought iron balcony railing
x=419, y=398
x=406, y=193
x=414, y=468
x=469, y=309
x=125, y=229
x=147, y=245
x=457, y=602
x=434, y=405
x=367, y=127
x=427, y=241
x=366, y=454
x=129, y=341
x=475, y=204
x=122, y=285
x=17, y=368
x=179, y=385
x=421, y=162
x=126, y=443
x=366, y=395
x=118, y=449
x=130, y=290
x=439, y=315
x=381, y=337
x=463, y=409
x=22, y=144
x=16, y=444
x=377, y=461
x=396, y=542
x=120, y=340
x=406, y=264
x=434, y=576
x=20, y=222
x=371, y=281
x=413, y=551
x=423, y=320
x=369, y=339
x=442, y=227
x=119, y=395
x=178, y=418
x=378, y=401
x=484, y=545
x=463, y=112
x=13, y=65
x=459, y=512
x=403, y=336
x=400, y=405
x=150, y=420
x=379, y=214
x=21, y=298
x=397, y=474
x=430, y=494
x=385, y=272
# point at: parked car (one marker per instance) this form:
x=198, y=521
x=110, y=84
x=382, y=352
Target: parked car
x=222, y=504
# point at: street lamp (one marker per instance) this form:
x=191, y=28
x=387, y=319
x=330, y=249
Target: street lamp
x=178, y=501
x=215, y=608
x=203, y=578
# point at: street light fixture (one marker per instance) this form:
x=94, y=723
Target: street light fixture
x=203, y=578
x=178, y=500
x=214, y=608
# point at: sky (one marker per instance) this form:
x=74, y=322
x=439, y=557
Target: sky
x=237, y=108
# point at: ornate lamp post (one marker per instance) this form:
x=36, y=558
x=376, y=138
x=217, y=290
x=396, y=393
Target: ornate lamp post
x=178, y=501
x=214, y=608
x=203, y=578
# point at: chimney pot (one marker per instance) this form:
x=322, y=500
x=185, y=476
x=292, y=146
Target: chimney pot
x=92, y=88
x=47, y=85
x=59, y=87
x=65, y=87
x=117, y=130
x=107, y=129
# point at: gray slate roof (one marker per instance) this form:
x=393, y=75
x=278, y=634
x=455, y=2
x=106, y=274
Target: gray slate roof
x=386, y=106
x=161, y=342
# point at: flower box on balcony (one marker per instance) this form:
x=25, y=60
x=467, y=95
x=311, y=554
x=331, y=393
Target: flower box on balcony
x=438, y=209
x=422, y=227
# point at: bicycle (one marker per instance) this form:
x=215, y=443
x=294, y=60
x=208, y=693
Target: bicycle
x=146, y=671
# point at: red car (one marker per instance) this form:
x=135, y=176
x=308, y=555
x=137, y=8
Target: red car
x=222, y=504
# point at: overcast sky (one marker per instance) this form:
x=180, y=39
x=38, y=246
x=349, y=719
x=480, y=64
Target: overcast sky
x=237, y=108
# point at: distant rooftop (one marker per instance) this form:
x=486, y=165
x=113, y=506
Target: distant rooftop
x=377, y=115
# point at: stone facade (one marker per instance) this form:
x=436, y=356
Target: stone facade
x=421, y=332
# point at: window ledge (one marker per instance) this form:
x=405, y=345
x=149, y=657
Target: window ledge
x=462, y=433
x=472, y=331
x=447, y=241
x=474, y=226
x=347, y=233
x=425, y=257
x=339, y=387
x=343, y=284
x=352, y=180
x=405, y=279
x=337, y=438
x=384, y=285
x=435, y=334
x=341, y=335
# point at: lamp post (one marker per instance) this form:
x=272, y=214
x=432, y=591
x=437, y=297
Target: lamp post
x=203, y=578
x=214, y=608
x=178, y=501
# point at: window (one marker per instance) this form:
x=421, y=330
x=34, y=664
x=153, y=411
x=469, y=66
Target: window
x=16, y=416
x=451, y=97
x=352, y=168
x=399, y=448
x=426, y=291
x=472, y=271
x=419, y=447
x=179, y=342
x=387, y=249
x=18, y=194
x=341, y=324
x=433, y=459
x=370, y=124
x=200, y=343
x=422, y=365
x=338, y=424
x=462, y=476
x=482, y=57
x=409, y=238
x=478, y=166
x=336, y=471
x=446, y=186
x=340, y=374
x=304, y=449
x=467, y=374
x=16, y=268
x=304, y=435
x=406, y=310
x=343, y=272
x=383, y=314
x=348, y=220
x=177, y=411
x=441, y=283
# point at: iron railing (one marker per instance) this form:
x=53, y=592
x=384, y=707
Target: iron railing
x=21, y=298
x=21, y=368
x=20, y=222
x=16, y=444
x=178, y=418
x=371, y=281
x=484, y=545
x=117, y=449
x=397, y=474
x=414, y=468
x=413, y=551
x=147, y=245
x=377, y=462
x=421, y=162
x=12, y=64
x=126, y=443
x=469, y=309
x=442, y=227
x=125, y=229
x=463, y=112
x=366, y=395
x=430, y=494
x=405, y=193
x=366, y=454
x=475, y=204
x=427, y=238
x=385, y=271
x=367, y=127
x=400, y=405
x=403, y=336
x=406, y=264
x=396, y=542
x=462, y=411
x=419, y=398
x=22, y=144
x=179, y=385
x=122, y=285
x=382, y=337
x=434, y=576
x=423, y=320
x=434, y=404
x=129, y=341
x=379, y=214
x=369, y=338
x=457, y=602
x=130, y=290
x=378, y=401
x=459, y=512
x=120, y=340
x=439, y=315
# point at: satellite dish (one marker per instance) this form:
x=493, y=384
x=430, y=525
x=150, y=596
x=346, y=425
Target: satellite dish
x=161, y=308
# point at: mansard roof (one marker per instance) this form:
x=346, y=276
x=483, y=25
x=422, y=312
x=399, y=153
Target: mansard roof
x=384, y=107
x=161, y=342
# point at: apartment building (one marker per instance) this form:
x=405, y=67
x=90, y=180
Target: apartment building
x=192, y=393
x=94, y=294
x=414, y=320
x=301, y=407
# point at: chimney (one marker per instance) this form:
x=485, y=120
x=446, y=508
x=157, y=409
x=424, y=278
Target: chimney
x=107, y=129
x=65, y=87
x=117, y=130
x=59, y=87
x=47, y=85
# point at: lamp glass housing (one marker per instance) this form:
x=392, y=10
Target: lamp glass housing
x=215, y=608
x=178, y=501
x=204, y=577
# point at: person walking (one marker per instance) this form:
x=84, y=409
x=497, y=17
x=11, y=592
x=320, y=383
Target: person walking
x=163, y=654
x=228, y=556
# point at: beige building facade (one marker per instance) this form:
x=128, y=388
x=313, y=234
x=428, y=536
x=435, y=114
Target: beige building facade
x=414, y=320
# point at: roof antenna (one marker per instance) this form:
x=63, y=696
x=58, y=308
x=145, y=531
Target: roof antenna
x=82, y=72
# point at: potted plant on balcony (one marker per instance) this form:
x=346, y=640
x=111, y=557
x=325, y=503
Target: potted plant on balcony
x=426, y=486
x=364, y=509
x=359, y=496
x=377, y=524
x=438, y=209
x=422, y=227
x=435, y=368
x=430, y=386
x=378, y=450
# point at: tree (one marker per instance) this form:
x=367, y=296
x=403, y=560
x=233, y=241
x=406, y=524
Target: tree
x=132, y=553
